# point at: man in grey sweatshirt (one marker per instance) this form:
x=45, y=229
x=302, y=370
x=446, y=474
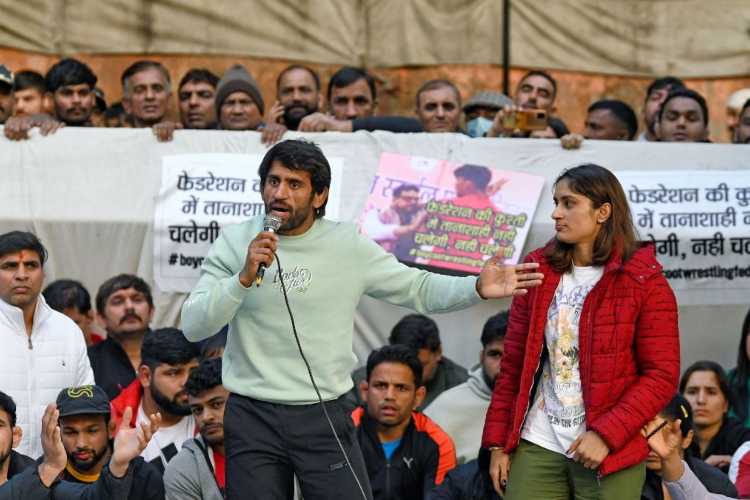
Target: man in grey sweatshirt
x=197, y=471
x=320, y=269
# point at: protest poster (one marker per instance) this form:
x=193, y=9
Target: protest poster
x=699, y=222
x=449, y=216
x=201, y=193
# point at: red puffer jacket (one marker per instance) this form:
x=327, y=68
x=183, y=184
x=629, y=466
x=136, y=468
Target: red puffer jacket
x=629, y=352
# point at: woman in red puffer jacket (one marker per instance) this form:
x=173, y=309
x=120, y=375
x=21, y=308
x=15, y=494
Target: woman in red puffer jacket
x=590, y=357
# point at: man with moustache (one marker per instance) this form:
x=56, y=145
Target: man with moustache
x=273, y=422
x=239, y=102
x=70, y=85
x=298, y=95
x=406, y=453
x=166, y=361
x=195, y=98
x=197, y=472
x=87, y=432
x=195, y=94
x=124, y=307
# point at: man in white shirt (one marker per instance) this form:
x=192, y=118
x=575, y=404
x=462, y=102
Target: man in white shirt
x=43, y=350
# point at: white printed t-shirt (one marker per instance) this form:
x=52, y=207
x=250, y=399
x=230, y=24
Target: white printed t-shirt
x=558, y=417
x=167, y=441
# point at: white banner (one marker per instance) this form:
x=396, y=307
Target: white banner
x=700, y=223
x=201, y=193
x=90, y=195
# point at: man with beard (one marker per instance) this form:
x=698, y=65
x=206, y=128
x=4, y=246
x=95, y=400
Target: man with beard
x=273, y=424
x=742, y=129
x=11, y=462
x=197, y=472
x=392, y=228
x=406, y=453
x=166, y=360
x=298, y=94
x=458, y=410
x=655, y=95
x=124, y=307
x=87, y=433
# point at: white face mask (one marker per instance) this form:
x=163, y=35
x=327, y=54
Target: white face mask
x=478, y=126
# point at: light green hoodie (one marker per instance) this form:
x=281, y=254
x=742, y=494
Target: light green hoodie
x=326, y=271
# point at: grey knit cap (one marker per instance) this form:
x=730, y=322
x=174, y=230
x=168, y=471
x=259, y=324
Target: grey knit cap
x=238, y=79
x=489, y=99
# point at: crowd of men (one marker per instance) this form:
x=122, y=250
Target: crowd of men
x=67, y=95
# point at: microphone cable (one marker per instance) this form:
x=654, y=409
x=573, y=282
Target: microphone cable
x=312, y=379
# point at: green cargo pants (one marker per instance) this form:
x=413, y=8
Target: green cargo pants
x=537, y=473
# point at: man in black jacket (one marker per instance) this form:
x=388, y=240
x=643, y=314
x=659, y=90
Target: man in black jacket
x=405, y=452
x=125, y=306
x=86, y=435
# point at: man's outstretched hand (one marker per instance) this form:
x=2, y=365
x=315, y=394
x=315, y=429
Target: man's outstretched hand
x=131, y=441
x=497, y=280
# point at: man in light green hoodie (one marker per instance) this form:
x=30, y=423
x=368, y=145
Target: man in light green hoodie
x=273, y=425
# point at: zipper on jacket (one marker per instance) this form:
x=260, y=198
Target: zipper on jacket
x=388, y=479
x=537, y=376
x=31, y=346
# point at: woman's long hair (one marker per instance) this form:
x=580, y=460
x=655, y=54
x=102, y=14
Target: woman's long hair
x=617, y=233
x=741, y=373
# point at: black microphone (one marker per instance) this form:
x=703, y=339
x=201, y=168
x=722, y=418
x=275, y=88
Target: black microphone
x=271, y=224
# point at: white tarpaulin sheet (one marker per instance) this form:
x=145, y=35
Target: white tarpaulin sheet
x=90, y=195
